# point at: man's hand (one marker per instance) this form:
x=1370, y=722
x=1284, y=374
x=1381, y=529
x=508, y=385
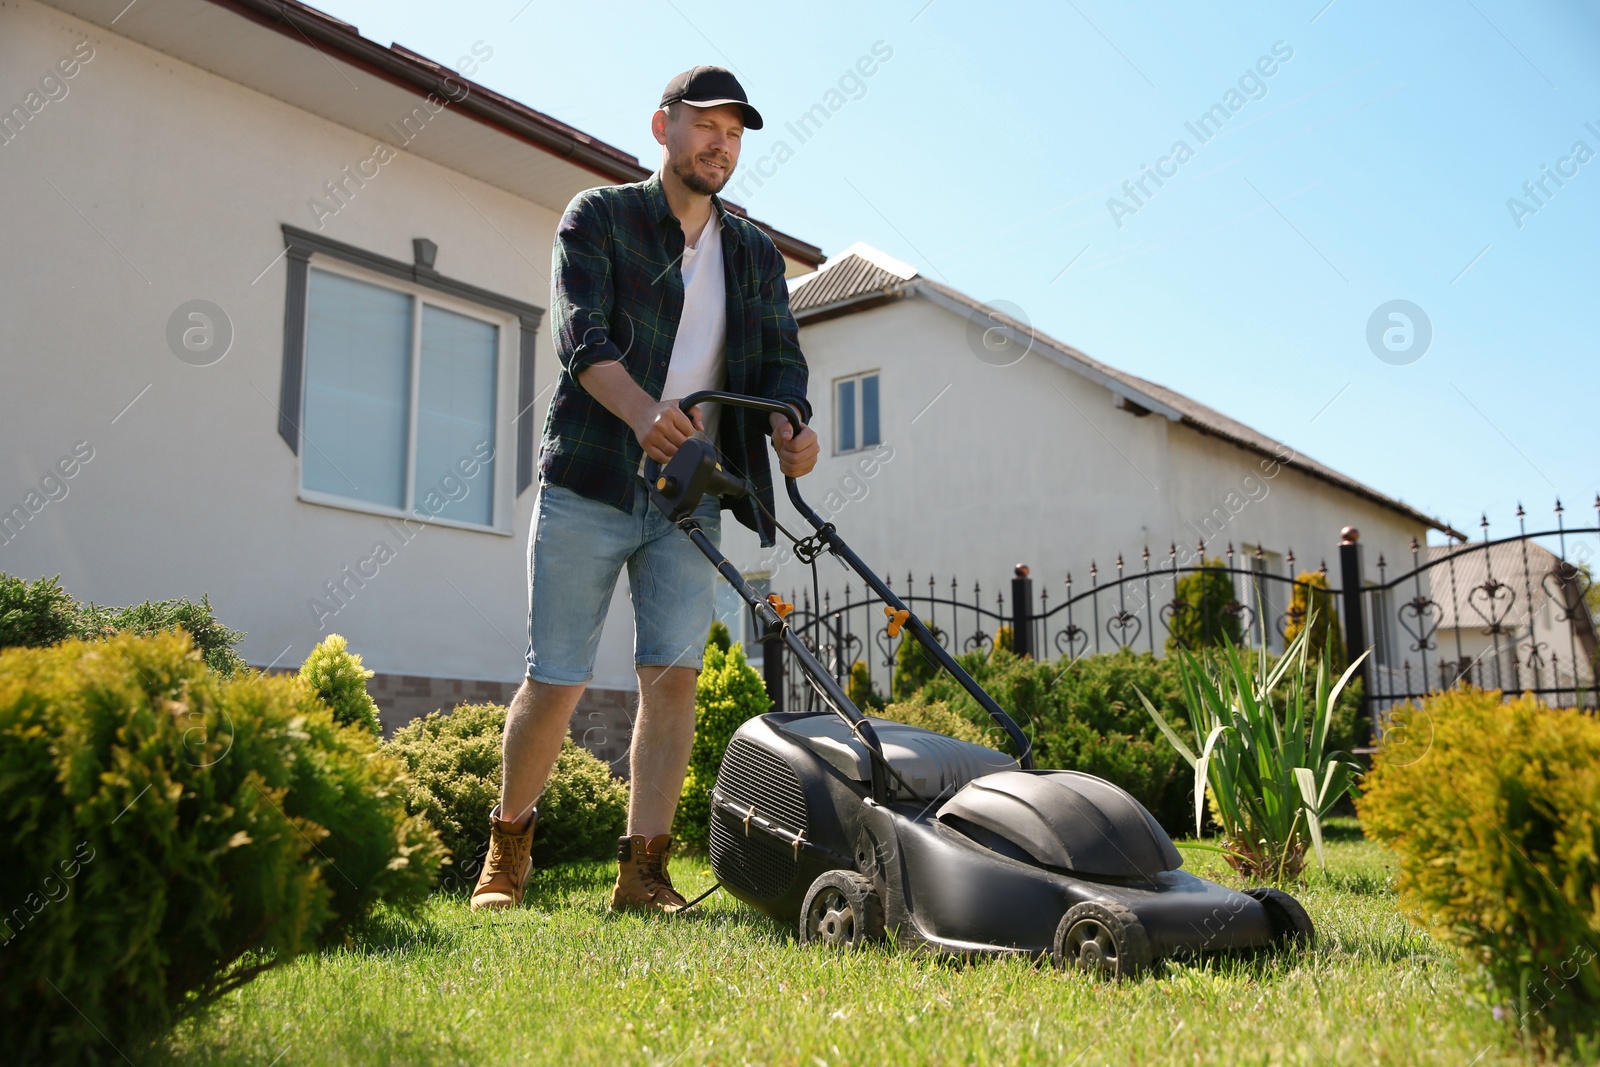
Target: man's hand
x=662, y=426
x=797, y=454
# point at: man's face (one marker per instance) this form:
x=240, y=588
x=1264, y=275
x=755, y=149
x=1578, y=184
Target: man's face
x=701, y=144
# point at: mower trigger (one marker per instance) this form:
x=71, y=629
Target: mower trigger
x=897, y=619
x=779, y=606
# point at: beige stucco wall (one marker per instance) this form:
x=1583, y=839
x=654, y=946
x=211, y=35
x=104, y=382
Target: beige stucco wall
x=188, y=177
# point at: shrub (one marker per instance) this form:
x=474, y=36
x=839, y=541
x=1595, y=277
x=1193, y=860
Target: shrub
x=1493, y=809
x=169, y=834
x=36, y=615
x=1268, y=773
x=937, y=716
x=862, y=693
x=454, y=760
x=1083, y=715
x=718, y=635
x=728, y=693
x=1203, y=620
x=340, y=681
x=1005, y=638
x=914, y=666
x=1311, y=607
x=40, y=614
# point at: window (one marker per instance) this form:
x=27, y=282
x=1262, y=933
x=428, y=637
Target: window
x=1267, y=598
x=400, y=400
x=403, y=390
x=855, y=412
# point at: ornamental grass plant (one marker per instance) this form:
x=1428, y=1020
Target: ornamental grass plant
x=1264, y=760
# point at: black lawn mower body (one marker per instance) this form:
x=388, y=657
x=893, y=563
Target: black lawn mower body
x=852, y=827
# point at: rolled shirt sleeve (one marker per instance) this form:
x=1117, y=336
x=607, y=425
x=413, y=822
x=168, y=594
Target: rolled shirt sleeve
x=582, y=293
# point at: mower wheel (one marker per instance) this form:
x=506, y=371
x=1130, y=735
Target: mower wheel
x=1290, y=923
x=841, y=909
x=1101, y=939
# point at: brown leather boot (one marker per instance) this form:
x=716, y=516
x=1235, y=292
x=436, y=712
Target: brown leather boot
x=505, y=869
x=642, y=880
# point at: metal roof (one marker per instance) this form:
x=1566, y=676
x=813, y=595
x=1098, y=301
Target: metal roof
x=1459, y=570
x=858, y=280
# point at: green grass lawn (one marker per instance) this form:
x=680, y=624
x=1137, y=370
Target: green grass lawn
x=564, y=981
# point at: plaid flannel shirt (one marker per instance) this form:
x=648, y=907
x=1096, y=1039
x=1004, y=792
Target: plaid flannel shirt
x=617, y=294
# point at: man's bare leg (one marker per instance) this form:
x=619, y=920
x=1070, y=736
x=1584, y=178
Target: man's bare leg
x=537, y=721
x=663, y=734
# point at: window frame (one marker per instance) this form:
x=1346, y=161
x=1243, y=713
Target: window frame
x=518, y=324
x=861, y=409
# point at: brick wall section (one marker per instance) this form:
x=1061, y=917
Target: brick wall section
x=602, y=722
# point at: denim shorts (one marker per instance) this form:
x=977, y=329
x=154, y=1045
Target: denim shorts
x=577, y=548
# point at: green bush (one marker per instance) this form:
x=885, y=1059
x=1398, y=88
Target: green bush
x=1204, y=620
x=914, y=665
x=1493, y=808
x=454, y=760
x=40, y=614
x=340, y=681
x=36, y=615
x=718, y=635
x=169, y=834
x=729, y=693
x=936, y=716
x=1086, y=715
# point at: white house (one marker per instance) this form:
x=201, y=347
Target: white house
x=276, y=299
x=960, y=441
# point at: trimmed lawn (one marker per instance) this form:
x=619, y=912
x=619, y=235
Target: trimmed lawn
x=564, y=981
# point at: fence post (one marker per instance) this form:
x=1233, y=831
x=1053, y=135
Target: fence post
x=1351, y=582
x=1021, y=611
x=772, y=653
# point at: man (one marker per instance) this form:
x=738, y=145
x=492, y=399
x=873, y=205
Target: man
x=657, y=291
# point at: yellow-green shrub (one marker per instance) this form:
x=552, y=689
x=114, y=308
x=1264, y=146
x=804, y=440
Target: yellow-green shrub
x=937, y=716
x=169, y=833
x=340, y=682
x=1494, y=810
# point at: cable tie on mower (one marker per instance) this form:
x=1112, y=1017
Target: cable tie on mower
x=747, y=817
x=897, y=619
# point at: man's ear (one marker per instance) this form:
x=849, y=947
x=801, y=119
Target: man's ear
x=658, y=126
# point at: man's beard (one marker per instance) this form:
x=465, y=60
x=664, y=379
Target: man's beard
x=692, y=180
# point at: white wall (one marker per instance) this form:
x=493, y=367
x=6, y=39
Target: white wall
x=187, y=178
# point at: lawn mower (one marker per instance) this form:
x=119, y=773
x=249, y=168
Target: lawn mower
x=855, y=828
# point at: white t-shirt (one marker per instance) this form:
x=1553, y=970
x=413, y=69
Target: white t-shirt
x=698, y=360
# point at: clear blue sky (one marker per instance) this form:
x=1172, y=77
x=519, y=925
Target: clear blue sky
x=1374, y=164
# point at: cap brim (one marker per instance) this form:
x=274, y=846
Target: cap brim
x=752, y=117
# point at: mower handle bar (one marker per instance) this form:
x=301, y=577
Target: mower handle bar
x=836, y=544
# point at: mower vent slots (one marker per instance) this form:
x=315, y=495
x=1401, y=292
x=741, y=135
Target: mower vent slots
x=752, y=777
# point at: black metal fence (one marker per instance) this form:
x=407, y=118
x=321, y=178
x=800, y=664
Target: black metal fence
x=1507, y=614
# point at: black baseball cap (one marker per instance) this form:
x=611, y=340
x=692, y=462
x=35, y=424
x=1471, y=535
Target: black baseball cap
x=708, y=87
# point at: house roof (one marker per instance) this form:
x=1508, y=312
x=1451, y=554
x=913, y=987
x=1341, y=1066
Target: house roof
x=1470, y=567
x=862, y=277
x=295, y=53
